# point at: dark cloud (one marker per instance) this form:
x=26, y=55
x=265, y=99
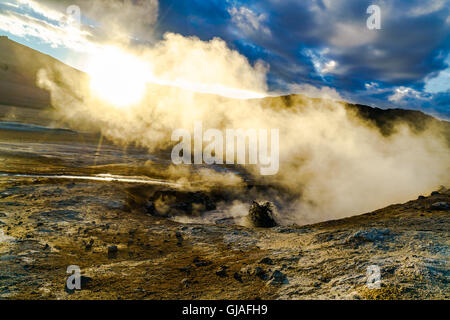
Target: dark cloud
x=318, y=42
x=412, y=44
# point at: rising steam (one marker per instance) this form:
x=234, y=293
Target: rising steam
x=333, y=163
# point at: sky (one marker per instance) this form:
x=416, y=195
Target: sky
x=310, y=46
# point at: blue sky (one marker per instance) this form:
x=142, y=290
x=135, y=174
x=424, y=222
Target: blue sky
x=322, y=43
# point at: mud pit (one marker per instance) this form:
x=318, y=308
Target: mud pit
x=51, y=224
x=184, y=247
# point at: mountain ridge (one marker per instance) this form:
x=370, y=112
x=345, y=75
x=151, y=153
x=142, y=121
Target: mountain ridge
x=20, y=64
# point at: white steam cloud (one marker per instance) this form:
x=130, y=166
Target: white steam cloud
x=334, y=163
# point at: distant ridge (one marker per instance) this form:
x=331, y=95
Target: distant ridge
x=20, y=64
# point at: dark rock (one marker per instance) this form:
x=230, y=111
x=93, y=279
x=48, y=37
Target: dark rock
x=2, y=215
x=186, y=269
x=237, y=276
x=435, y=193
x=421, y=197
x=261, y=216
x=185, y=283
x=201, y=263
x=440, y=206
x=369, y=235
x=112, y=251
x=278, y=277
x=179, y=237
x=260, y=273
x=222, y=271
x=267, y=260
x=88, y=246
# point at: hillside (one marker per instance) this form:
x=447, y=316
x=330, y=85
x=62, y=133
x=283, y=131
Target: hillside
x=21, y=100
x=19, y=66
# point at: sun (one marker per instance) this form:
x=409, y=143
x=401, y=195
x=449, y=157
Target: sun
x=117, y=77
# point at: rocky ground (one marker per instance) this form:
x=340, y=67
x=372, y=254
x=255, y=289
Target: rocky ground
x=49, y=224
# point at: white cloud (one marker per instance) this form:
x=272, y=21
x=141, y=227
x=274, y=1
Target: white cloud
x=249, y=21
x=401, y=93
x=321, y=64
x=22, y=25
x=42, y=10
x=427, y=7
x=314, y=92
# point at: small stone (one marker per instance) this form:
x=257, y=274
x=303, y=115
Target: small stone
x=186, y=269
x=435, y=193
x=237, y=276
x=369, y=235
x=112, y=251
x=179, y=237
x=201, y=263
x=185, y=283
x=440, y=206
x=277, y=278
x=267, y=260
x=222, y=271
x=260, y=273
x=89, y=245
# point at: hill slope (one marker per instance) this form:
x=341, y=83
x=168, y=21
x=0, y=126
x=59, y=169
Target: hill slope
x=19, y=66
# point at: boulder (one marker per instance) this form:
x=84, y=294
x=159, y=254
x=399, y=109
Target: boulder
x=261, y=216
x=440, y=206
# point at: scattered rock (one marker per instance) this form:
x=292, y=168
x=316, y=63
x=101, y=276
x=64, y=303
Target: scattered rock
x=2, y=215
x=179, y=238
x=267, y=260
x=222, y=271
x=278, y=278
x=435, y=193
x=261, y=216
x=112, y=252
x=238, y=277
x=201, y=263
x=260, y=273
x=185, y=283
x=440, y=206
x=186, y=269
x=88, y=246
x=421, y=197
x=369, y=235
x=255, y=271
